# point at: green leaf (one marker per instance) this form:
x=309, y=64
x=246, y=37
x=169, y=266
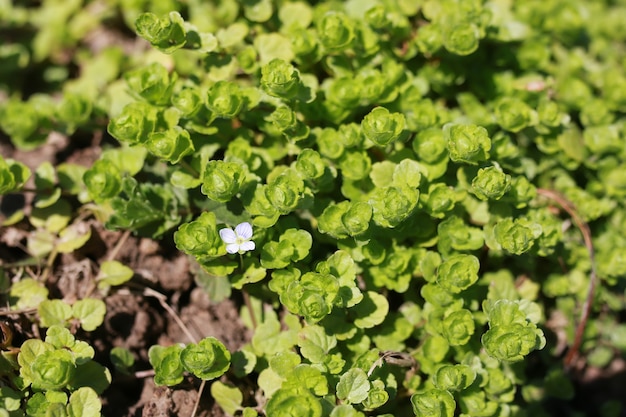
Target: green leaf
x=307, y=377
x=73, y=237
x=122, y=359
x=90, y=312
x=314, y=343
x=52, y=218
x=312, y=296
x=129, y=160
x=229, y=398
x=516, y=236
x=152, y=83
x=10, y=399
x=61, y=338
x=394, y=204
x=287, y=403
x=84, y=402
x=345, y=410
x=113, y=273
x=345, y=219
x=27, y=293
x=268, y=338
x=371, y=311
x=54, y=312
x=285, y=191
x=353, y=386
x=283, y=363
x=20, y=121
x=91, y=375
x=377, y=396
x=513, y=114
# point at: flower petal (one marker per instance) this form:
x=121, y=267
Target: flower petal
x=228, y=236
x=246, y=246
x=232, y=248
x=244, y=230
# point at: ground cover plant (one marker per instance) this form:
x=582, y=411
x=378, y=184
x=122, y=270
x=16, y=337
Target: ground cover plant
x=287, y=208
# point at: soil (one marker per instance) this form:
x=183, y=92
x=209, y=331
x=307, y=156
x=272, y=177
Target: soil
x=136, y=318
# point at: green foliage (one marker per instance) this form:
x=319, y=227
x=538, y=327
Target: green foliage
x=207, y=360
x=59, y=366
x=403, y=164
x=13, y=174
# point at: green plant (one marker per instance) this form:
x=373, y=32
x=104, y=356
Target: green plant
x=411, y=171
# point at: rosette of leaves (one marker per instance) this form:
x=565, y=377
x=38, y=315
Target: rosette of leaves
x=26, y=122
x=467, y=143
x=516, y=235
x=292, y=246
x=222, y=180
x=207, y=360
x=152, y=83
x=490, y=183
x=287, y=122
x=513, y=114
x=393, y=205
x=383, y=127
x=312, y=296
x=148, y=208
x=170, y=145
x=280, y=79
x=433, y=403
x=133, y=125
x=461, y=38
x=310, y=164
x=166, y=33
x=512, y=332
x=13, y=175
x=336, y=31
x=62, y=364
x=458, y=272
x=285, y=191
x=103, y=180
x=200, y=237
x=345, y=219
x=225, y=99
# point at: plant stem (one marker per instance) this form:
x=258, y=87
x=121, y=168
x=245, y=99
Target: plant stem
x=200, y=391
x=569, y=207
x=152, y=293
x=246, y=297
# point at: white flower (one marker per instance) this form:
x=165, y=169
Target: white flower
x=238, y=240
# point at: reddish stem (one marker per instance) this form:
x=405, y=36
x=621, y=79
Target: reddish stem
x=569, y=207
